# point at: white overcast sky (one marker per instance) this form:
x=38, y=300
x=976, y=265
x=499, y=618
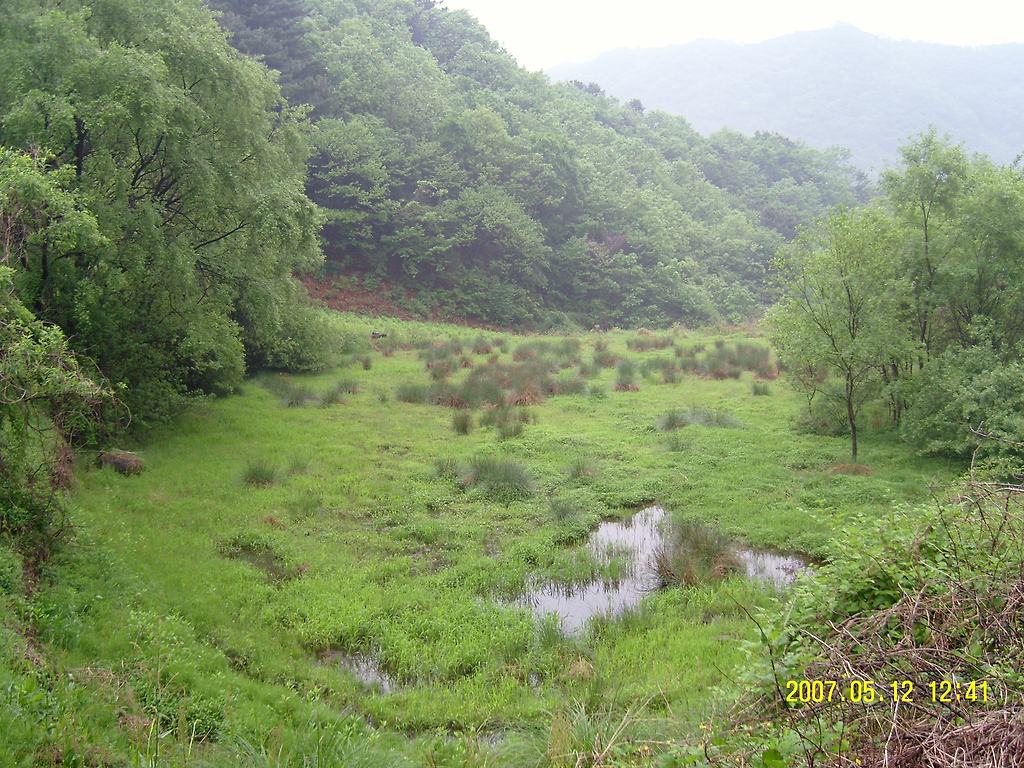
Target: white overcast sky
x=542, y=33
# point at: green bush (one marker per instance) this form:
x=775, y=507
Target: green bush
x=10, y=570
x=961, y=390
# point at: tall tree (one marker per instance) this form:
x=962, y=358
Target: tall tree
x=193, y=168
x=924, y=193
x=838, y=319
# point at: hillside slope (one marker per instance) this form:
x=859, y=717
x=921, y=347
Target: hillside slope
x=447, y=169
x=835, y=86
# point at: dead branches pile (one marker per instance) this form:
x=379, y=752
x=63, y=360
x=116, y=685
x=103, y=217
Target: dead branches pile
x=943, y=651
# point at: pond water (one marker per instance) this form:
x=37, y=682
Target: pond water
x=775, y=568
x=366, y=669
x=636, y=541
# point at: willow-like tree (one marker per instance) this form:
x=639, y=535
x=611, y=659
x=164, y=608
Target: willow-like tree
x=193, y=168
x=838, y=319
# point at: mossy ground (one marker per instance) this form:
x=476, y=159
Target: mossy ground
x=188, y=619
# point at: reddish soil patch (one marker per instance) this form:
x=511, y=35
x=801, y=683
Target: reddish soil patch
x=347, y=293
x=351, y=296
x=849, y=469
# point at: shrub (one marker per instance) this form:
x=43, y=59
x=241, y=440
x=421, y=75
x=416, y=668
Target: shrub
x=504, y=417
x=597, y=392
x=10, y=571
x=760, y=389
x=673, y=420
x=499, y=479
x=260, y=472
x=960, y=390
x=604, y=358
x=366, y=361
x=481, y=388
x=462, y=422
x=125, y=462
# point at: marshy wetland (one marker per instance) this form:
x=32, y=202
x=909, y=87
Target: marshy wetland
x=460, y=546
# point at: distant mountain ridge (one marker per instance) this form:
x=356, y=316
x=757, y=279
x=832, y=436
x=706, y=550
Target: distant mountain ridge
x=838, y=86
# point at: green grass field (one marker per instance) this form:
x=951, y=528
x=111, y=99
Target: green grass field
x=199, y=614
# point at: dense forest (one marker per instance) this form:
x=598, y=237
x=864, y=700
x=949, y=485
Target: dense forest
x=446, y=168
x=829, y=86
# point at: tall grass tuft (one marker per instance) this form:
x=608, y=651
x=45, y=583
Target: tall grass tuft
x=644, y=343
x=760, y=389
x=333, y=396
x=500, y=479
x=676, y=443
x=298, y=395
x=348, y=386
x=510, y=430
x=462, y=422
x=412, y=393
x=693, y=554
x=625, y=380
x=581, y=468
x=446, y=467
x=260, y=472
x=705, y=417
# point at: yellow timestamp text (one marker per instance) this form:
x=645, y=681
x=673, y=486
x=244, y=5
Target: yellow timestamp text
x=860, y=691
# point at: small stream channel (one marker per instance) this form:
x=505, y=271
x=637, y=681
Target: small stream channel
x=637, y=540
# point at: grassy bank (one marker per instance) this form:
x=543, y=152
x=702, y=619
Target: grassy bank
x=204, y=607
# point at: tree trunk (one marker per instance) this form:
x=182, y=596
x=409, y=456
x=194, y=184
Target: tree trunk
x=851, y=417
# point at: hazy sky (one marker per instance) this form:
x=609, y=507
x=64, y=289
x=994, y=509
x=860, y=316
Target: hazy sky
x=541, y=33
